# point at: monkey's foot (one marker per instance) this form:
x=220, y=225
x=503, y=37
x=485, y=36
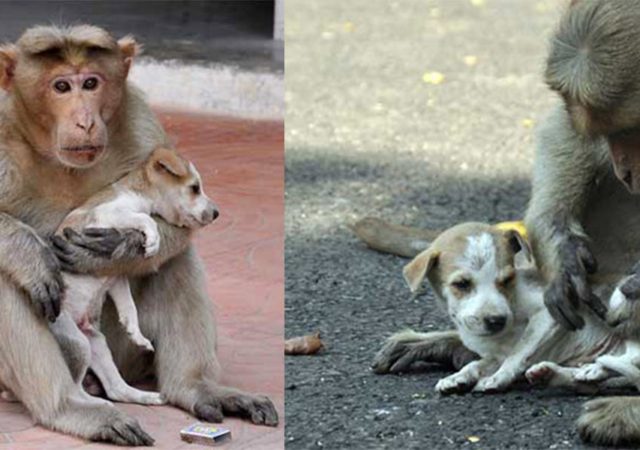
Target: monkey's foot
x=218, y=401
x=102, y=423
x=611, y=421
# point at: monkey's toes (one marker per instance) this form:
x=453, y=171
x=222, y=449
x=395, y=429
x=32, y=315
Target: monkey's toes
x=209, y=411
x=257, y=408
x=124, y=431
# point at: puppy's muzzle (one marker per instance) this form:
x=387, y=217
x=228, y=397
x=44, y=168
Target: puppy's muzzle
x=495, y=324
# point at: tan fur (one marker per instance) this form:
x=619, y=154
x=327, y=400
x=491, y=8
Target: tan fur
x=37, y=190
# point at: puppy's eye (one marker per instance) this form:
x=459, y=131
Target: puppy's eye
x=195, y=189
x=507, y=280
x=462, y=284
x=62, y=86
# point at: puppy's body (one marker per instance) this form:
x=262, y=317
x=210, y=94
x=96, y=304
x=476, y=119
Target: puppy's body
x=165, y=185
x=487, y=281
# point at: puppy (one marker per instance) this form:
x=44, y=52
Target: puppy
x=165, y=185
x=486, y=280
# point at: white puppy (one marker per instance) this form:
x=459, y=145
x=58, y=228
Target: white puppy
x=165, y=185
x=487, y=281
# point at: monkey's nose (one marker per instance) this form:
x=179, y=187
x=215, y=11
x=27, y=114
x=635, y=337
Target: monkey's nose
x=495, y=323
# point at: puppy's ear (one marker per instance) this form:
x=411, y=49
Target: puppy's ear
x=520, y=248
x=415, y=272
x=167, y=161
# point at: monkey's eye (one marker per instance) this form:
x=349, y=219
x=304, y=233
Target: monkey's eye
x=195, y=189
x=463, y=284
x=90, y=84
x=62, y=86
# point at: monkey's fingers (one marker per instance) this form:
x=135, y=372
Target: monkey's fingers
x=631, y=288
x=586, y=257
x=597, y=306
x=103, y=246
x=559, y=299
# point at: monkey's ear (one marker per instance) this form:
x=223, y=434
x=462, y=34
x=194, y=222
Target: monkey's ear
x=129, y=49
x=164, y=160
x=8, y=58
x=415, y=272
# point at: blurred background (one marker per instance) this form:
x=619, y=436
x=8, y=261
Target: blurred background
x=420, y=112
x=220, y=56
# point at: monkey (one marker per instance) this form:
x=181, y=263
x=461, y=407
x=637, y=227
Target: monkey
x=583, y=215
x=70, y=124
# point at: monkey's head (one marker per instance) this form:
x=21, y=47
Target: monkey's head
x=66, y=86
x=594, y=64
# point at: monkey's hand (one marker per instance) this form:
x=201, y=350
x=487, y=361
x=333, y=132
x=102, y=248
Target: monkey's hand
x=114, y=252
x=631, y=287
x=91, y=250
x=570, y=287
x=32, y=265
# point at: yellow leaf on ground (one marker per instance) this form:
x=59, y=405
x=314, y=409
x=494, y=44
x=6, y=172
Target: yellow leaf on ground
x=433, y=77
x=470, y=60
x=473, y=439
x=528, y=123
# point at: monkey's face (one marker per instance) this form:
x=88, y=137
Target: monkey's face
x=67, y=86
x=624, y=151
x=74, y=104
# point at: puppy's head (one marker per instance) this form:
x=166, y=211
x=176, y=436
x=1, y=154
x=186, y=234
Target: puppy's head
x=471, y=268
x=181, y=199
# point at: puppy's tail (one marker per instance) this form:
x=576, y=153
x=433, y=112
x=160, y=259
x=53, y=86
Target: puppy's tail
x=395, y=239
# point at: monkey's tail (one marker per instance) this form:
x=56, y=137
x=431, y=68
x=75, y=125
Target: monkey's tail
x=391, y=238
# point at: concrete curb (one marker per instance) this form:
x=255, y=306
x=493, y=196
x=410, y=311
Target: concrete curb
x=216, y=89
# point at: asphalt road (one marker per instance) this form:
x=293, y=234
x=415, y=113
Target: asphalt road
x=367, y=135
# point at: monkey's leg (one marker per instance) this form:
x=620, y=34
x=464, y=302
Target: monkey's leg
x=611, y=421
x=33, y=368
x=177, y=316
x=405, y=348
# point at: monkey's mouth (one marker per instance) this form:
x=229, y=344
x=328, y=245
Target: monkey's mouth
x=84, y=149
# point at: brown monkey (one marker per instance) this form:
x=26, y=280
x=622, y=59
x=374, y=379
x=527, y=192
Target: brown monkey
x=70, y=124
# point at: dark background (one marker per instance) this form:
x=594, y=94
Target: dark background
x=229, y=32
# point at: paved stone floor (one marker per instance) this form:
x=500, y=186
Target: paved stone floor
x=241, y=163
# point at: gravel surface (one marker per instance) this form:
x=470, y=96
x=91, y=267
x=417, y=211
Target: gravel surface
x=367, y=135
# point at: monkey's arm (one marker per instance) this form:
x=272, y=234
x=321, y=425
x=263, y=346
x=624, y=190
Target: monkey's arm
x=31, y=264
x=566, y=166
x=114, y=252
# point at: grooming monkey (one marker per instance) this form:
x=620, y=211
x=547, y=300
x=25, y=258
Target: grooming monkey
x=583, y=217
x=71, y=124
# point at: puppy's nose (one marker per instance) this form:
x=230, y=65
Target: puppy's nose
x=495, y=323
x=209, y=215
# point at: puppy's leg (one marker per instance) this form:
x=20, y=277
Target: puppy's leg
x=33, y=368
x=405, y=348
x=540, y=330
x=465, y=379
x=127, y=313
x=74, y=345
x=105, y=369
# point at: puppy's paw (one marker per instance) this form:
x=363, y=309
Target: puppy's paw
x=455, y=384
x=141, y=341
x=541, y=373
x=590, y=373
x=495, y=383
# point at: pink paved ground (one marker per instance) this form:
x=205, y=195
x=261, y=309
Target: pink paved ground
x=241, y=163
